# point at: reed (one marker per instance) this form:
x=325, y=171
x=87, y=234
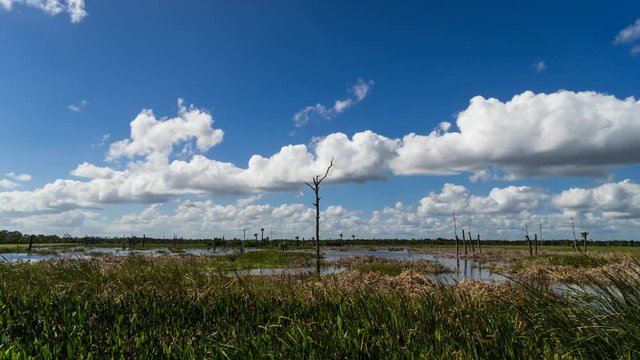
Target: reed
x=185, y=307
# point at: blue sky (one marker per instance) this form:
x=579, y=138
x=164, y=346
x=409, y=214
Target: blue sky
x=252, y=65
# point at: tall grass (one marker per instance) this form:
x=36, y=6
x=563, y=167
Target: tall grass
x=182, y=307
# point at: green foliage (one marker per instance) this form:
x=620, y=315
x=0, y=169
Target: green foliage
x=175, y=307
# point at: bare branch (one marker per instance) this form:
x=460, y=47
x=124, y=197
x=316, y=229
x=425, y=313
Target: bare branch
x=309, y=185
x=327, y=173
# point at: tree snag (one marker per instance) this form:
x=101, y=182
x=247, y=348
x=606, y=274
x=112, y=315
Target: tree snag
x=317, y=180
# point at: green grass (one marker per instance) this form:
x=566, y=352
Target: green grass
x=267, y=259
x=173, y=307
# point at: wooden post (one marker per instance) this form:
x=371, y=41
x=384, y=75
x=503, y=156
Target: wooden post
x=30, y=243
x=535, y=239
x=473, y=248
x=529, y=242
x=479, y=248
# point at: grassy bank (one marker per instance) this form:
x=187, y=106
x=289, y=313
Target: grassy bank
x=181, y=307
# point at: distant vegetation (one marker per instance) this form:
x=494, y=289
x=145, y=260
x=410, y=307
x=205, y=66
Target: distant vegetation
x=15, y=237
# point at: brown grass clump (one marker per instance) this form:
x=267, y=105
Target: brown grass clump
x=486, y=291
x=543, y=272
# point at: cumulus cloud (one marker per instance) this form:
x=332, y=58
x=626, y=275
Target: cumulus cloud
x=155, y=138
x=606, y=211
x=359, y=92
x=620, y=200
x=532, y=135
x=75, y=8
x=499, y=214
x=458, y=199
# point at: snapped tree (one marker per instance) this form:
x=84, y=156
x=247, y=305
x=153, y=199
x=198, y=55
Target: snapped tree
x=317, y=180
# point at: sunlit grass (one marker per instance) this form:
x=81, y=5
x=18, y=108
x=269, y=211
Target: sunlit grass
x=180, y=307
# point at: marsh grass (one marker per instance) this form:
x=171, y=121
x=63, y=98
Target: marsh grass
x=384, y=266
x=175, y=306
x=570, y=267
x=267, y=259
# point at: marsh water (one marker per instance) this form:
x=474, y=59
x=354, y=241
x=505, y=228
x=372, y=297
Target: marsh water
x=465, y=269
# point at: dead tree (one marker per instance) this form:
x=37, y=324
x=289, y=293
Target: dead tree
x=575, y=241
x=317, y=180
x=479, y=248
x=455, y=234
x=541, y=243
x=535, y=241
x=464, y=241
x=473, y=248
x=529, y=243
x=31, y=243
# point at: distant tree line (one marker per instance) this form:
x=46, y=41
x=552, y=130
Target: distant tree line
x=13, y=237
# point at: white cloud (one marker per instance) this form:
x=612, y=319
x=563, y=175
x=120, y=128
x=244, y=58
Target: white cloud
x=607, y=211
x=359, y=92
x=79, y=106
x=500, y=214
x=8, y=184
x=90, y=171
x=458, y=199
x=155, y=138
x=559, y=134
x=539, y=66
x=15, y=181
x=629, y=34
x=19, y=177
x=621, y=199
x=75, y=8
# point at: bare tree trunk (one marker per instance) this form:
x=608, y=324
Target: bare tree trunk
x=31, y=243
x=473, y=248
x=457, y=251
x=464, y=241
x=317, y=204
x=529, y=243
x=575, y=241
x=479, y=248
x=455, y=232
x=535, y=239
